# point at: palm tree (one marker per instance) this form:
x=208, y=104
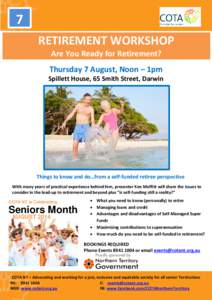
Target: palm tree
x=105, y=93
x=62, y=92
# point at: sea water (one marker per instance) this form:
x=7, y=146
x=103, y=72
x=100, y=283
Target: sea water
x=136, y=158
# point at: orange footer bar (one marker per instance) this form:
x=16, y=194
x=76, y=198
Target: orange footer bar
x=104, y=285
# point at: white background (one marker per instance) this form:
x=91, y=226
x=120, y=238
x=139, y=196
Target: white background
x=21, y=120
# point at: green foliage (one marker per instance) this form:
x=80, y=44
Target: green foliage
x=58, y=105
x=105, y=93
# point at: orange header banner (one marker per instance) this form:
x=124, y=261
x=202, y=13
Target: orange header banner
x=107, y=45
x=116, y=15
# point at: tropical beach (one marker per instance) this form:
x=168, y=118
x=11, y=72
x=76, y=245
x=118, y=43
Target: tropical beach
x=63, y=143
x=128, y=155
x=92, y=127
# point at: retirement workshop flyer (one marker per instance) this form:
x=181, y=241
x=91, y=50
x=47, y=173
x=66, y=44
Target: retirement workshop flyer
x=105, y=150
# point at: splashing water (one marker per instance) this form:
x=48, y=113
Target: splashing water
x=99, y=144
x=137, y=158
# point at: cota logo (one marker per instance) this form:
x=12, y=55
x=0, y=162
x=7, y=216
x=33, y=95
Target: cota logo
x=171, y=18
x=192, y=15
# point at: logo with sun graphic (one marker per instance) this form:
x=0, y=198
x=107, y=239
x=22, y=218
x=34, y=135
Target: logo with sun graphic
x=89, y=263
x=192, y=15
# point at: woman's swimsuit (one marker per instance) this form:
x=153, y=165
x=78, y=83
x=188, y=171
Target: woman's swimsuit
x=111, y=121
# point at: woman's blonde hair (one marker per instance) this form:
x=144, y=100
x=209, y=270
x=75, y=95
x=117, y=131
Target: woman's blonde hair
x=105, y=103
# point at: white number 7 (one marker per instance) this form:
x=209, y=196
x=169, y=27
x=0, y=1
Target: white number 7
x=20, y=17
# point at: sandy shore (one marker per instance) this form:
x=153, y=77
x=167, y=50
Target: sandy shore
x=55, y=143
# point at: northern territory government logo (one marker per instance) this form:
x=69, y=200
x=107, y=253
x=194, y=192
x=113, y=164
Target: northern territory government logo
x=88, y=263
x=180, y=16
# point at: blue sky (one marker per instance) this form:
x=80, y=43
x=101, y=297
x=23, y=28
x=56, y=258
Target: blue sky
x=152, y=102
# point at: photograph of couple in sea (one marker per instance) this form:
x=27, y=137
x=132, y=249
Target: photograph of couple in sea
x=103, y=127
